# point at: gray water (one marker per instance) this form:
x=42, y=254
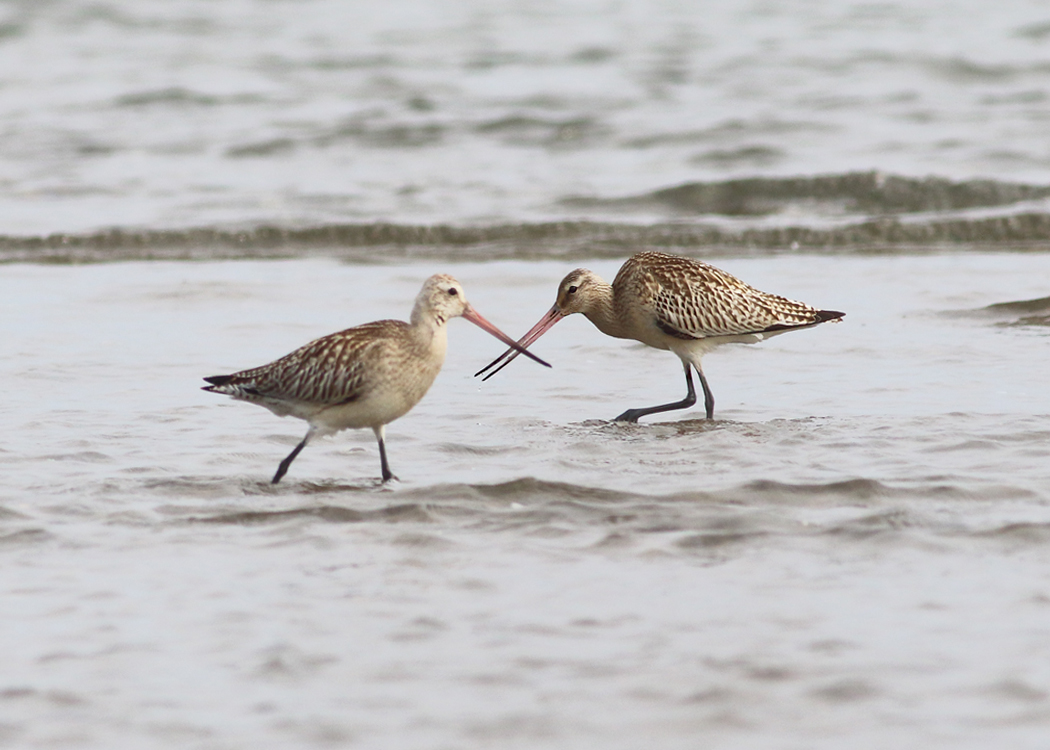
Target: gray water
x=854, y=553
x=155, y=114
x=855, y=550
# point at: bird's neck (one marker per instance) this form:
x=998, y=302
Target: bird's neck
x=425, y=317
x=427, y=328
x=602, y=312
x=430, y=332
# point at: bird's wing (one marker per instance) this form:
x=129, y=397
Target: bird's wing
x=691, y=300
x=328, y=371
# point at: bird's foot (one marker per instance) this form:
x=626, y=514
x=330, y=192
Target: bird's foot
x=631, y=415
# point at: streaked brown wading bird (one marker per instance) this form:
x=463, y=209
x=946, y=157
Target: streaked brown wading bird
x=674, y=303
x=366, y=376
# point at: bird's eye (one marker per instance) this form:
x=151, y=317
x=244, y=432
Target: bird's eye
x=452, y=292
x=572, y=289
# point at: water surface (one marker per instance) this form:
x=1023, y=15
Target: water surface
x=855, y=550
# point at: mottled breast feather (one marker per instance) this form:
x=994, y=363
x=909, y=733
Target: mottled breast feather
x=690, y=299
x=308, y=374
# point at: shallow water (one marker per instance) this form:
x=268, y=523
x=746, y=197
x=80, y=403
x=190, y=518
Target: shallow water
x=854, y=551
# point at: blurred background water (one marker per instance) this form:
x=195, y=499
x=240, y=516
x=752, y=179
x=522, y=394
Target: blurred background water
x=177, y=115
x=854, y=552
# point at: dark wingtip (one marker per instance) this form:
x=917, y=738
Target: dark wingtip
x=823, y=316
x=216, y=381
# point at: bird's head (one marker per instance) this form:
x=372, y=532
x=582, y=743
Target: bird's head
x=579, y=292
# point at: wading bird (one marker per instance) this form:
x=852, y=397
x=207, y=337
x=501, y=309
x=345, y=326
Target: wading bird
x=366, y=376
x=674, y=303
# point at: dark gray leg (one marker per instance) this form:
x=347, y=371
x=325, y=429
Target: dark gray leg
x=632, y=415
x=283, y=468
x=709, y=398
x=381, y=439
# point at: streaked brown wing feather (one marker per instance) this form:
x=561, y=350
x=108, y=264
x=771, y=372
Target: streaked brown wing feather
x=692, y=299
x=307, y=373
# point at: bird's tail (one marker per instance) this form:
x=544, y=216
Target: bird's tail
x=217, y=383
x=823, y=316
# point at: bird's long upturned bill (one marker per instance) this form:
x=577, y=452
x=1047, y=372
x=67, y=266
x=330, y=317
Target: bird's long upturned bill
x=475, y=317
x=521, y=346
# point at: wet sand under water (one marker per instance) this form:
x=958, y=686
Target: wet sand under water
x=855, y=550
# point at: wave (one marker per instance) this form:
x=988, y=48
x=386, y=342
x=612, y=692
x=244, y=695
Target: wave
x=324, y=513
x=870, y=193
x=1027, y=312
x=856, y=212
x=328, y=502
x=698, y=522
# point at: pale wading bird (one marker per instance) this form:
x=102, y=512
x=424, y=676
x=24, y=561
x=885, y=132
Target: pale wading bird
x=674, y=303
x=366, y=376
